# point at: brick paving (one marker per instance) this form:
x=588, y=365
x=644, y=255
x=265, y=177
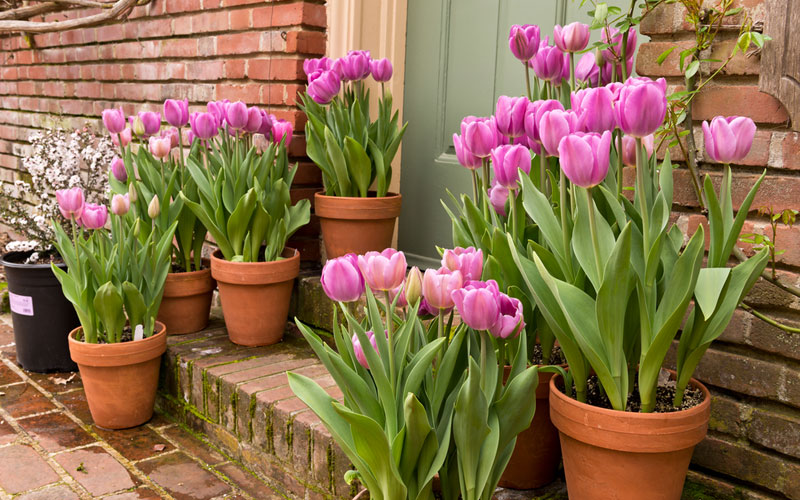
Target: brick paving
x=50, y=450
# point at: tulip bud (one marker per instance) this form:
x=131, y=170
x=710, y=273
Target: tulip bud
x=137, y=227
x=120, y=204
x=381, y=70
x=176, y=112
x=584, y=158
x=342, y=280
x=154, y=208
x=132, y=195
x=114, y=120
x=160, y=146
x=254, y=119
x=413, y=287
x=71, y=202
x=438, y=286
x=137, y=125
x=507, y=161
x=476, y=303
x=236, y=114
x=118, y=169
x=573, y=37
x=151, y=121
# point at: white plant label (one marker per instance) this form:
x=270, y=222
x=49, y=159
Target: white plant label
x=138, y=332
x=21, y=304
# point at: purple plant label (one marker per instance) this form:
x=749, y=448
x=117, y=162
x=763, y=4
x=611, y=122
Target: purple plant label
x=21, y=304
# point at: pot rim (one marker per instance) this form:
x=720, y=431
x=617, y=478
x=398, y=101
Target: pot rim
x=704, y=404
x=357, y=208
x=256, y=273
x=118, y=354
x=16, y=265
x=389, y=196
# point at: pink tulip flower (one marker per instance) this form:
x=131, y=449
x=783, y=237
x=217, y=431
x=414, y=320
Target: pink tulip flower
x=573, y=37
x=477, y=304
x=464, y=155
x=642, y=106
x=342, y=280
x=176, y=112
x=480, y=135
x=524, y=41
x=114, y=120
x=123, y=138
x=71, y=202
x=236, y=115
x=94, y=216
x=555, y=125
x=383, y=270
x=173, y=135
x=438, y=287
x=151, y=121
x=534, y=113
x=381, y=69
x=584, y=158
x=355, y=65
x=728, y=139
x=160, y=146
x=217, y=110
x=120, y=204
x=467, y=260
x=359, y=351
x=549, y=63
x=266, y=125
x=510, y=321
x=616, y=44
x=510, y=115
x=507, y=161
x=587, y=70
x=498, y=197
x=118, y=169
x=253, y=120
x=629, y=148
x=282, y=129
x=595, y=107
x=312, y=65
x=204, y=125
x=325, y=87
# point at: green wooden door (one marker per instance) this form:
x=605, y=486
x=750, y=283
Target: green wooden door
x=457, y=64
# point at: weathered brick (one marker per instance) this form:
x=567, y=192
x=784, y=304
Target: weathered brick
x=728, y=100
x=740, y=373
x=778, y=430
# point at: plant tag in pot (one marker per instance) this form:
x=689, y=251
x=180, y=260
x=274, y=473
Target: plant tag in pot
x=138, y=332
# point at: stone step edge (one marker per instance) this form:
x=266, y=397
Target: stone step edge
x=240, y=399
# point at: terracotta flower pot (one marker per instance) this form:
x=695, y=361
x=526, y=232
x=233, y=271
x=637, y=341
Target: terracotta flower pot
x=537, y=453
x=615, y=455
x=255, y=296
x=356, y=225
x=186, y=304
x=121, y=379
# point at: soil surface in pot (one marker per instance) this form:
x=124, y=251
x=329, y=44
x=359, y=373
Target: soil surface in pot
x=556, y=356
x=179, y=269
x=664, y=396
x=127, y=336
x=44, y=258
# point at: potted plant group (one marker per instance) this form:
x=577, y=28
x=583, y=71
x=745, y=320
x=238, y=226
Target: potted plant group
x=356, y=210
x=421, y=399
x=115, y=280
x=41, y=315
x=153, y=174
x=242, y=197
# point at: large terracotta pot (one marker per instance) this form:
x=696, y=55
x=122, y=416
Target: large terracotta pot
x=121, y=379
x=537, y=453
x=186, y=303
x=255, y=296
x=356, y=225
x=614, y=455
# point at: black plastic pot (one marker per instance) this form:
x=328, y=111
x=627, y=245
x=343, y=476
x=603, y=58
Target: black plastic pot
x=42, y=316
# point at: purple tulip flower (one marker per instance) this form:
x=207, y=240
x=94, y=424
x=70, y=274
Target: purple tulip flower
x=629, y=148
x=464, y=155
x=355, y=65
x=510, y=321
x=381, y=70
x=114, y=120
x=254, y=118
x=595, y=107
x=510, y=115
x=498, y=197
x=266, y=125
x=587, y=70
x=554, y=126
x=236, y=115
x=176, y=112
x=204, y=125
x=728, y=139
x=477, y=304
x=282, y=130
x=584, y=158
x=548, y=64
x=573, y=37
x=325, y=87
x=151, y=121
x=480, y=135
x=359, y=351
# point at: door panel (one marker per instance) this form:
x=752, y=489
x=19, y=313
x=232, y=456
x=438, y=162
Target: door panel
x=457, y=64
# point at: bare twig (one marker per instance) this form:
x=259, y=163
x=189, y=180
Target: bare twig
x=763, y=317
x=767, y=275
x=119, y=9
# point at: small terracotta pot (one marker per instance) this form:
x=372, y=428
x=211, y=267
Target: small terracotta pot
x=537, y=453
x=615, y=455
x=356, y=225
x=255, y=296
x=186, y=303
x=121, y=379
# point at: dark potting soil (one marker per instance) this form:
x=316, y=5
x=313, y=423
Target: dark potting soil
x=179, y=269
x=44, y=258
x=127, y=336
x=556, y=356
x=665, y=392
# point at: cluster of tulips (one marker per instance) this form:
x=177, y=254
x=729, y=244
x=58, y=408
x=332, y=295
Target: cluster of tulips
x=325, y=75
x=455, y=285
x=234, y=117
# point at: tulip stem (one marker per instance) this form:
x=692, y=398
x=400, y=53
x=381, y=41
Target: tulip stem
x=640, y=160
x=572, y=70
x=501, y=363
x=514, y=225
x=475, y=185
x=390, y=336
x=618, y=143
x=528, y=80
x=483, y=357
x=565, y=233
x=593, y=229
x=485, y=207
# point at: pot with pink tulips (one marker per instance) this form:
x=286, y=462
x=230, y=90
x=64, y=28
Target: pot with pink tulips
x=423, y=394
x=356, y=210
x=597, y=264
x=116, y=269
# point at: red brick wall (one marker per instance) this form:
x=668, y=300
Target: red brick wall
x=753, y=447
x=201, y=50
